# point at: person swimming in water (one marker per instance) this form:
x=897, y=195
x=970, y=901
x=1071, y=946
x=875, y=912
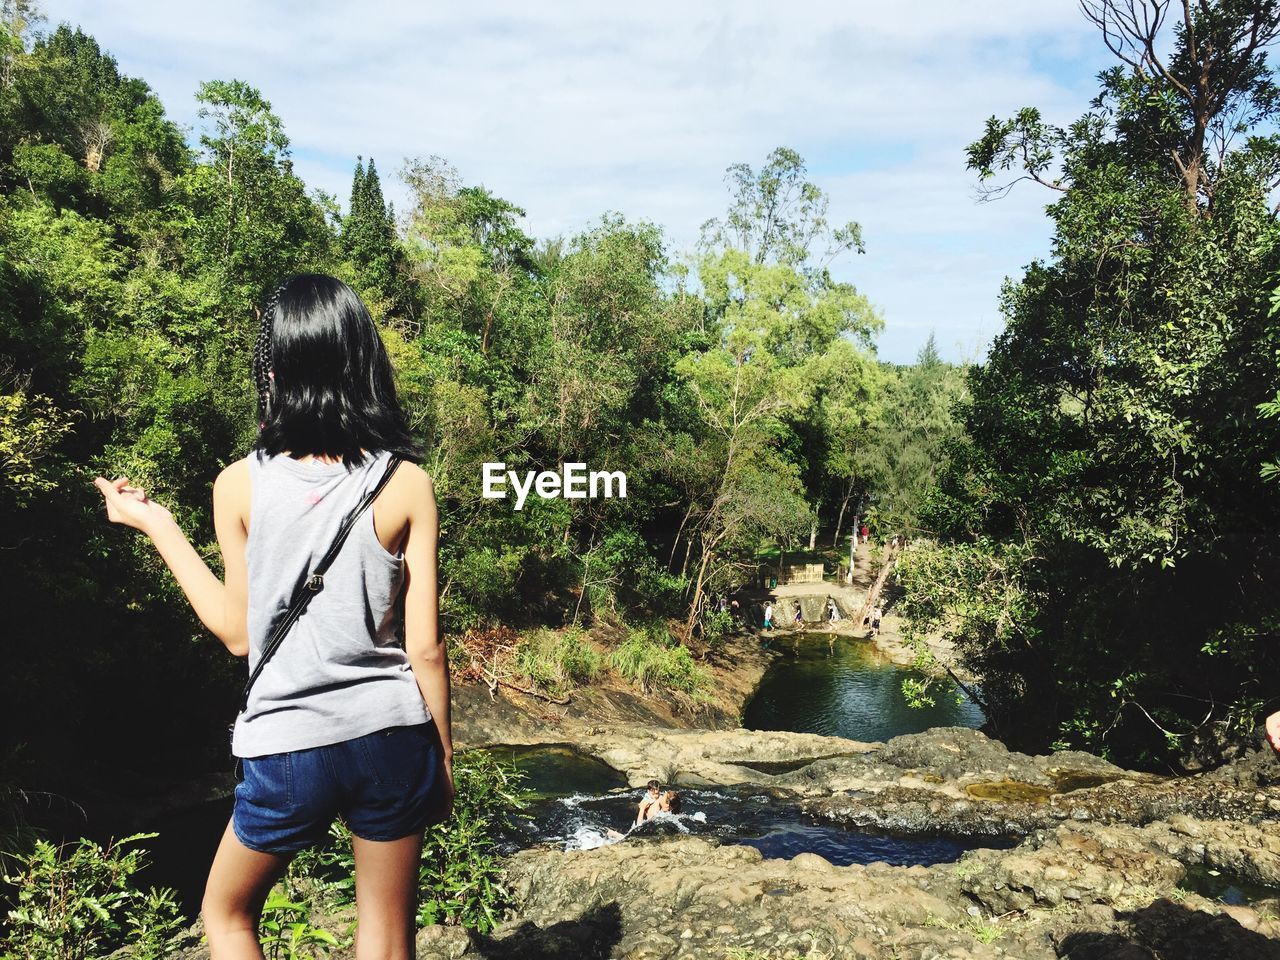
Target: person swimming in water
x=654, y=802
x=649, y=802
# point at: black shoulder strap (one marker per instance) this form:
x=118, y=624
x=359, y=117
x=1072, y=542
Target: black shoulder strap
x=314, y=583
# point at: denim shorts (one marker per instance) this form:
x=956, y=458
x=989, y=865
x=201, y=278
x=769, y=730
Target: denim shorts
x=386, y=785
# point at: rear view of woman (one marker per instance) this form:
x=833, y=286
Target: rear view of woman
x=349, y=717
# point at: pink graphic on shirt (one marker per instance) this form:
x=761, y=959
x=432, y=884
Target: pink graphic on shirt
x=314, y=497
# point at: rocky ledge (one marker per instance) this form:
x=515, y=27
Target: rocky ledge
x=960, y=783
x=1110, y=864
x=1082, y=891
x=949, y=780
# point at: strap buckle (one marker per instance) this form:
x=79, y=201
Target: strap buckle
x=315, y=582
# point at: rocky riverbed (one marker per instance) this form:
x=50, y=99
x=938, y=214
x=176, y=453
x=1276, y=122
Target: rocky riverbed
x=1107, y=866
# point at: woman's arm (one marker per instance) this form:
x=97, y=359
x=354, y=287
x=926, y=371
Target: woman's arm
x=1273, y=731
x=221, y=608
x=423, y=640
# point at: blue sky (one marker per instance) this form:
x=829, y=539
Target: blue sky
x=570, y=109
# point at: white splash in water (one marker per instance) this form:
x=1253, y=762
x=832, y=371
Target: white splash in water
x=586, y=837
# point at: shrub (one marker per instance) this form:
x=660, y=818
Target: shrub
x=460, y=880
x=652, y=663
x=624, y=577
x=77, y=901
x=556, y=661
x=286, y=931
x=716, y=626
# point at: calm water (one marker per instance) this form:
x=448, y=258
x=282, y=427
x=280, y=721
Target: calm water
x=846, y=689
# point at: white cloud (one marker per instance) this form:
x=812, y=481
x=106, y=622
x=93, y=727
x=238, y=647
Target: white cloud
x=569, y=109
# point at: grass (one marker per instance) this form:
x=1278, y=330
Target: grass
x=965, y=869
x=980, y=930
x=652, y=663
x=556, y=661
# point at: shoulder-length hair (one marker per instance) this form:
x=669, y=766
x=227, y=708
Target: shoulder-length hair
x=323, y=377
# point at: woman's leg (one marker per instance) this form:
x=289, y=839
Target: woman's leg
x=386, y=896
x=239, y=882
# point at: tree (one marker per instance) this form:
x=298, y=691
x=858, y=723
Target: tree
x=909, y=441
x=777, y=215
x=1107, y=508
x=772, y=312
x=254, y=223
x=368, y=239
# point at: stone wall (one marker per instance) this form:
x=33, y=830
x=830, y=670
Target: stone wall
x=793, y=573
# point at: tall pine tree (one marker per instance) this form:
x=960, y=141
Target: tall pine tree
x=370, y=243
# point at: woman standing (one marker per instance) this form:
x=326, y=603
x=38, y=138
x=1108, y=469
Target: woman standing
x=350, y=717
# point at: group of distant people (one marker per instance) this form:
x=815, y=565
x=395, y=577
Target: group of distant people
x=896, y=541
x=833, y=614
x=872, y=619
x=797, y=613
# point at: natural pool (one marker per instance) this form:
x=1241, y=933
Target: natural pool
x=843, y=687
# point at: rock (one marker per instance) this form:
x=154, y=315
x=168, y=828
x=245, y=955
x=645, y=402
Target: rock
x=810, y=861
x=1183, y=824
x=1244, y=916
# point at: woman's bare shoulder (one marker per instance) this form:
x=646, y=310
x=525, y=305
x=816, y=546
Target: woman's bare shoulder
x=412, y=482
x=231, y=486
x=233, y=477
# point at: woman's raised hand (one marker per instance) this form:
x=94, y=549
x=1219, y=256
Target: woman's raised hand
x=129, y=505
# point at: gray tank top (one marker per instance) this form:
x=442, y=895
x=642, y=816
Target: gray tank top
x=341, y=670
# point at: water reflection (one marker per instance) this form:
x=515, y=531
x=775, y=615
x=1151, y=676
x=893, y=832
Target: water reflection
x=847, y=689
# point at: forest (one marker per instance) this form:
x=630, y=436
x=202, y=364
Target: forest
x=1092, y=508
x=736, y=386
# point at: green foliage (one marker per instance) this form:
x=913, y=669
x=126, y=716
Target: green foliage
x=286, y=932
x=917, y=693
x=1108, y=539
x=460, y=880
x=368, y=239
x=625, y=578
x=908, y=440
x=30, y=427
x=716, y=626
x=557, y=661
x=648, y=659
x=79, y=901
x=778, y=215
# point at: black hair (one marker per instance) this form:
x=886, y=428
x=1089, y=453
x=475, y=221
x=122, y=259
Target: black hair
x=654, y=785
x=323, y=377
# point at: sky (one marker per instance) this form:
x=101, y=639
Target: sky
x=571, y=109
